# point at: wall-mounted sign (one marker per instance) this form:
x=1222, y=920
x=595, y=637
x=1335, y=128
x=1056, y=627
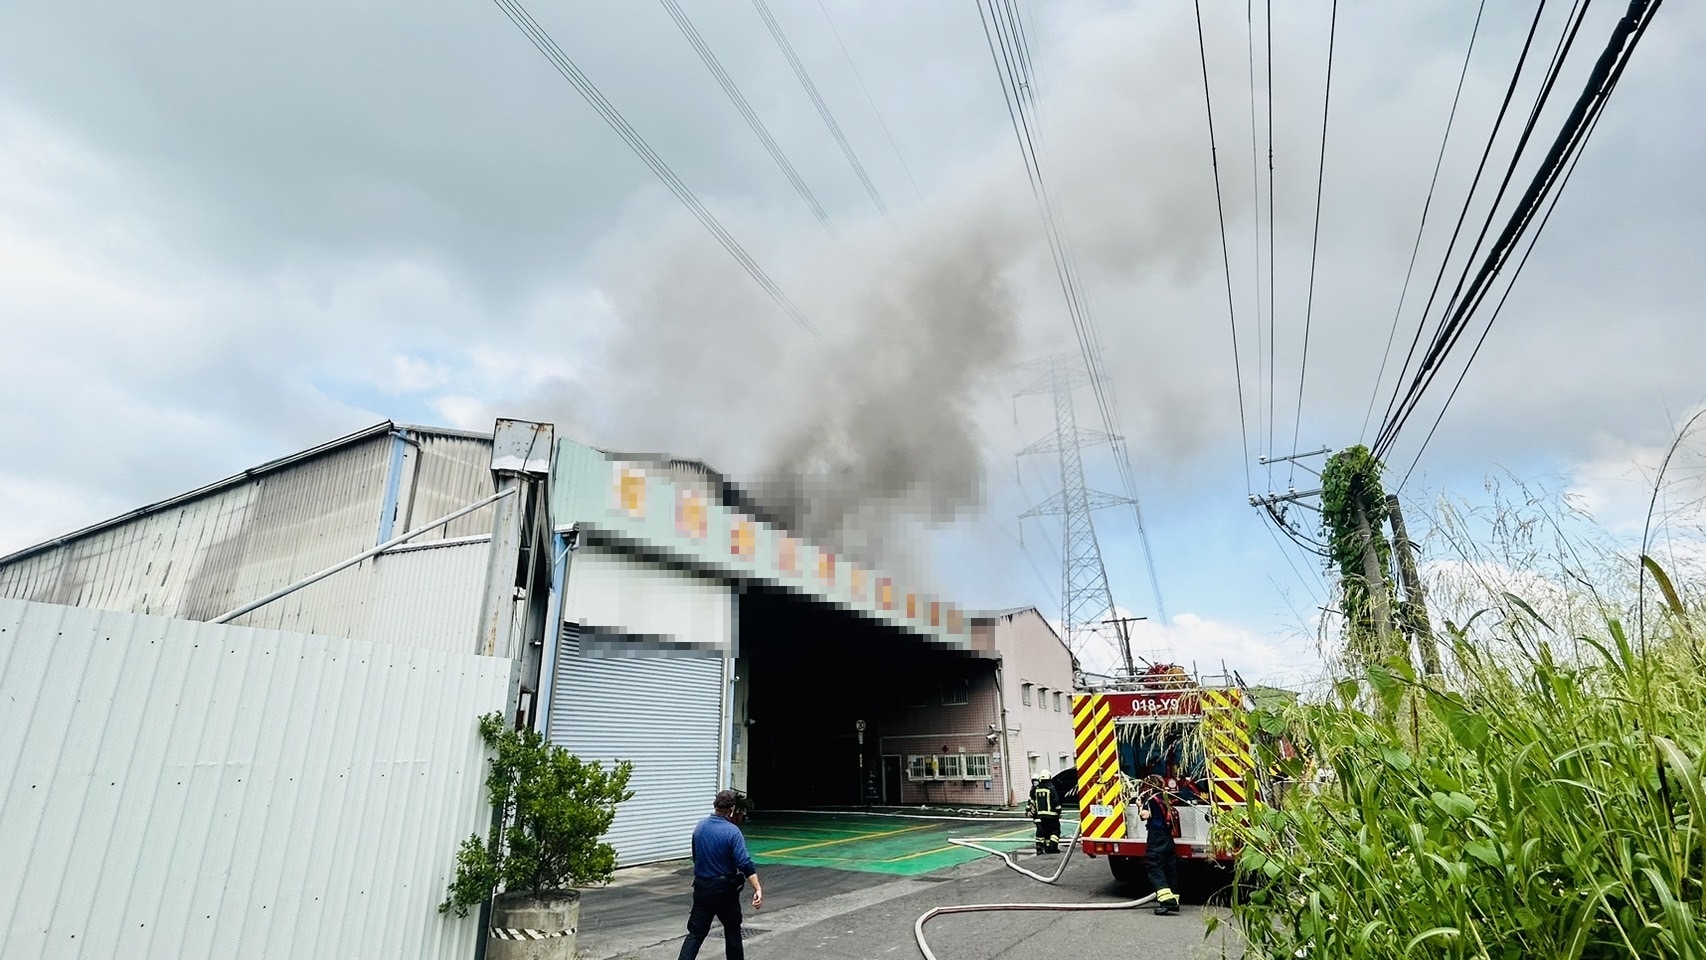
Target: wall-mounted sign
x=631, y=491
x=743, y=538
x=691, y=517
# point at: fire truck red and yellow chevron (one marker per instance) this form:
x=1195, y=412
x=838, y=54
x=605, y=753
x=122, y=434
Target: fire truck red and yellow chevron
x=1226, y=742
x=1101, y=796
x=1226, y=745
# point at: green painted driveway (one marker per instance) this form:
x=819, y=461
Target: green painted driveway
x=874, y=844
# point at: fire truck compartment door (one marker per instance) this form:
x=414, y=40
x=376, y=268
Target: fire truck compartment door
x=1193, y=825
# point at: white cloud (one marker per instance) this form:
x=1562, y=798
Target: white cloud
x=1209, y=647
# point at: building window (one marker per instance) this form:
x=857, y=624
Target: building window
x=1036, y=764
x=950, y=766
x=1065, y=762
x=956, y=692
x=1025, y=693
x=1057, y=701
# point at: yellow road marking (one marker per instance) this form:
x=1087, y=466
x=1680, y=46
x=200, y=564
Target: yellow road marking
x=1006, y=836
x=862, y=836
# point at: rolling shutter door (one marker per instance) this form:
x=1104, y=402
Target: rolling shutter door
x=662, y=711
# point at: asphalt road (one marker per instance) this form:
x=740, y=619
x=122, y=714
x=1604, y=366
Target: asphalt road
x=845, y=915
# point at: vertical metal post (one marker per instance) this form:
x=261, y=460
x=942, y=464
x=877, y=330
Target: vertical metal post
x=725, y=723
x=393, y=484
x=521, y=461
x=560, y=550
x=1006, y=740
x=497, y=601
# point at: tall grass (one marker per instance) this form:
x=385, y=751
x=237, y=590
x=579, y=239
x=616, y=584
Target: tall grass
x=1553, y=809
x=1545, y=798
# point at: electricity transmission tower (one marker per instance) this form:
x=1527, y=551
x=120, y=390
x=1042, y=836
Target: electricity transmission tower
x=1085, y=597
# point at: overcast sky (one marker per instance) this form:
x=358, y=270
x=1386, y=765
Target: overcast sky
x=231, y=231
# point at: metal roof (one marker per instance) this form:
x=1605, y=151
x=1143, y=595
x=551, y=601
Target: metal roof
x=999, y=614
x=271, y=466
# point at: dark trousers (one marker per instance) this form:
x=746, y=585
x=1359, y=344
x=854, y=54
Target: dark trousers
x=1048, y=833
x=1163, y=863
x=714, y=897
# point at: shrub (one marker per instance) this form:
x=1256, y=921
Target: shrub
x=551, y=809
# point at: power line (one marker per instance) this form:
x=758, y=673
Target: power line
x=1225, y=257
x=584, y=86
x=739, y=100
x=870, y=100
x=1439, y=161
x=1593, y=116
x=1468, y=200
x=1545, y=183
x=1315, y=243
x=817, y=101
x=1256, y=221
x=1273, y=251
x=1017, y=43
x=1448, y=330
x=1010, y=52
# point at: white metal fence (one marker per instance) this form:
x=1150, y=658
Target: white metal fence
x=179, y=789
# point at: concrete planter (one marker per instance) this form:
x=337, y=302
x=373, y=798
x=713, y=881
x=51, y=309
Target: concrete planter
x=527, y=929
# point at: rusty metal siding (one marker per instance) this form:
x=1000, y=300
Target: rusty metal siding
x=178, y=789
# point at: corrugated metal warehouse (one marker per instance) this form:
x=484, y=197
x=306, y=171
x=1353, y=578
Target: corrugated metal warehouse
x=643, y=609
x=198, y=555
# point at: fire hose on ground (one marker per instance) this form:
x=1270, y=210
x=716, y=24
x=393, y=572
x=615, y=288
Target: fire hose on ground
x=977, y=843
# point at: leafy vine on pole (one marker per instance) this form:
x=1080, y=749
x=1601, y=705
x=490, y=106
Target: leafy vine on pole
x=1353, y=513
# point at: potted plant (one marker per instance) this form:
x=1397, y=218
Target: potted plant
x=550, y=810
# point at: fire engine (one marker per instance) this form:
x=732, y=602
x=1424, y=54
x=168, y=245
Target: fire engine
x=1195, y=734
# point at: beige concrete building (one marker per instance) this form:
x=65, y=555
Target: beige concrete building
x=975, y=734
x=1035, y=688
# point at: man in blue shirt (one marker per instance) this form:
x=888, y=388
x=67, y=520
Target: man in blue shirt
x=721, y=867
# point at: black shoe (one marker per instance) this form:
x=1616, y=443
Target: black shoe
x=1173, y=908
x=1161, y=910
x=1039, y=849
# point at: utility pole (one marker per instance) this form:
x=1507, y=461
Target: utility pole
x=1415, y=607
x=1122, y=624
x=1373, y=581
x=1084, y=594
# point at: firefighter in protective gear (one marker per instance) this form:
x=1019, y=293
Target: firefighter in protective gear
x=1045, y=809
x=1162, y=856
